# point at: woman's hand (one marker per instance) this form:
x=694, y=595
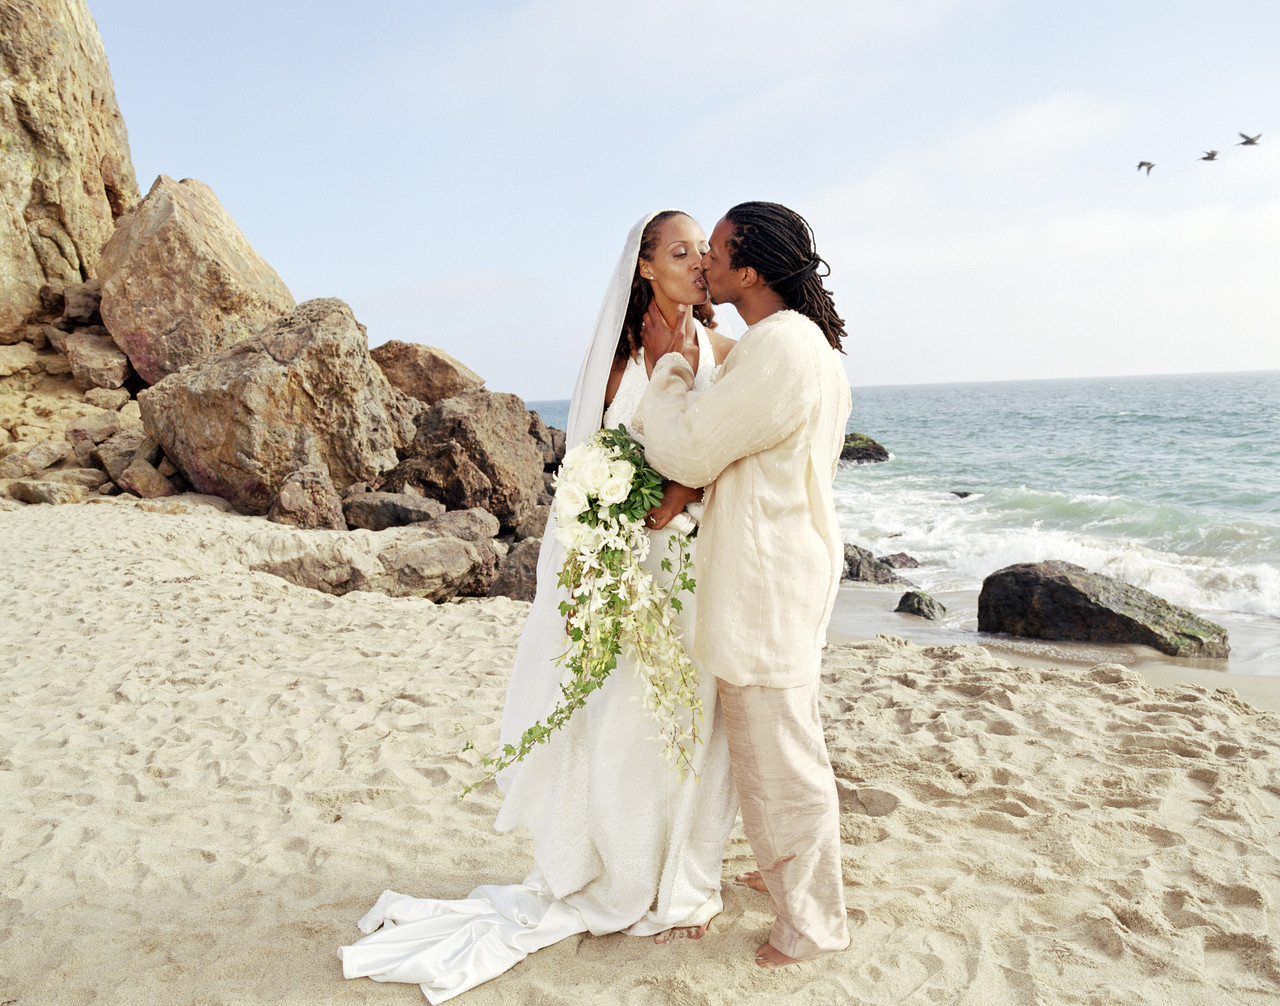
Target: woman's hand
x=660, y=339
x=675, y=498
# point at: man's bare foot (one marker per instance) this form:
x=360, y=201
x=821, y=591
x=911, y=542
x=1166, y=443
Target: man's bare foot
x=753, y=880
x=769, y=956
x=681, y=933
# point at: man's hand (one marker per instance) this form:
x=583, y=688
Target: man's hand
x=675, y=498
x=663, y=339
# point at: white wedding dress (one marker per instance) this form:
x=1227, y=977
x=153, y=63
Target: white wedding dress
x=621, y=843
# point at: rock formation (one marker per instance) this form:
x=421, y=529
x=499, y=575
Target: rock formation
x=402, y=563
x=260, y=402
x=1060, y=600
x=180, y=281
x=428, y=374
x=475, y=450
x=65, y=169
x=517, y=575
x=301, y=391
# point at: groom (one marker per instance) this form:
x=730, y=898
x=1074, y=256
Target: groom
x=764, y=440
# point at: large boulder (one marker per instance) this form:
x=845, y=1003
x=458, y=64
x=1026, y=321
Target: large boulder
x=426, y=373
x=475, y=450
x=379, y=511
x=95, y=360
x=517, y=575
x=402, y=562
x=475, y=525
x=303, y=390
x=180, y=281
x=65, y=169
x=1063, y=601
x=469, y=525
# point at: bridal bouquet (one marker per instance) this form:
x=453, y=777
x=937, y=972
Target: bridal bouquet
x=603, y=490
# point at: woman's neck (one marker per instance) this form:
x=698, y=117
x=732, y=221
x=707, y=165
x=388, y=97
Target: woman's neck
x=667, y=306
x=668, y=309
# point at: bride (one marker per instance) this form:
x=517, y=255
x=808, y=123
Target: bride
x=621, y=843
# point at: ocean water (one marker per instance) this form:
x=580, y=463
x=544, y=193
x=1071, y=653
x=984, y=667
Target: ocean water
x=1170, y=483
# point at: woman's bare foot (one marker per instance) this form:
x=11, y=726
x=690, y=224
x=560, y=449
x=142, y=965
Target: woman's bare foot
x=681, y=933
x=753, y=880
x=769, y=956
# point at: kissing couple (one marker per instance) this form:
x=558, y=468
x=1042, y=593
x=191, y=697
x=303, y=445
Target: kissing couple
x=749, y=433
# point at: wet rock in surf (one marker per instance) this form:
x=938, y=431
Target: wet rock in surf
x=861, y=449
x=920, y=604
x=1062, y=601
x=861, y=565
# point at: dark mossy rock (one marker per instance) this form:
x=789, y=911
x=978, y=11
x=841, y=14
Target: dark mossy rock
x=861, y=449
x=1062, y=601
x=917, y=602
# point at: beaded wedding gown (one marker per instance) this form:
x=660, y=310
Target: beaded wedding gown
x=621, y=843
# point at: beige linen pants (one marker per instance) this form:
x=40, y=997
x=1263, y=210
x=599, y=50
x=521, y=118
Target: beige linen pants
x=790, y=812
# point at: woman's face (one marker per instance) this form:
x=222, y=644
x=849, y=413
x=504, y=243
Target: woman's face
x=675, y=271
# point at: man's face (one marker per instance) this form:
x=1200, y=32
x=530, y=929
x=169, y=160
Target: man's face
x=722, y=282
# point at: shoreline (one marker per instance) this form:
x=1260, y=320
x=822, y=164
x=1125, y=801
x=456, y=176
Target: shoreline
x=864, y=611
x=209, y=774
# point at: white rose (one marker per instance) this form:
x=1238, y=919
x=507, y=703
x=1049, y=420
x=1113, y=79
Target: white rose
x=573, y=456
x=621, y=469
x=571, y=534
x=594, y=475
x=615, y=489
x=570, y=500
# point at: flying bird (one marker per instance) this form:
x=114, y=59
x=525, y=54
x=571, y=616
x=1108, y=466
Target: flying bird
x=1146, y=164
x=1212, y=155
x=1249, y=141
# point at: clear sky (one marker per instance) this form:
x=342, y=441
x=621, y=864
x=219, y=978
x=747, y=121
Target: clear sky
x=463, y=173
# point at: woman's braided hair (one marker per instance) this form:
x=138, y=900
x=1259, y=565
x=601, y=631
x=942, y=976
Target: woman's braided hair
x=778, y=244
x=642, y=292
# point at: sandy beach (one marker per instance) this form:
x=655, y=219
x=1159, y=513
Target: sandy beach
x=207, y=775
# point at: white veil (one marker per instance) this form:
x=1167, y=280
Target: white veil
x=535, y=676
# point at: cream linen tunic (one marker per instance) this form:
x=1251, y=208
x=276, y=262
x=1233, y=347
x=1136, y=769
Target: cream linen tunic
x=765, y=439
